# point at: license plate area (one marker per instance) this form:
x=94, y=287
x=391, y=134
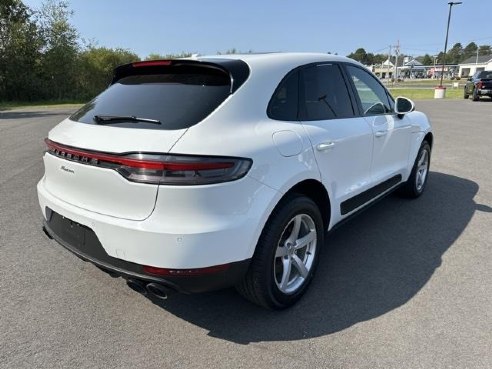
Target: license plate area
x=83, y=241
x=76, y=235
x=68, y=230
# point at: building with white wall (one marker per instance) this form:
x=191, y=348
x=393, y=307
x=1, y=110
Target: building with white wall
x=475, y=64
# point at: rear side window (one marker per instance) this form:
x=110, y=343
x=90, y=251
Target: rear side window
x=324, y=94
x=284, y=102
x=179, y=97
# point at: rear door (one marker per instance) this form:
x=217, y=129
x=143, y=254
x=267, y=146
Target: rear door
x=342, y=141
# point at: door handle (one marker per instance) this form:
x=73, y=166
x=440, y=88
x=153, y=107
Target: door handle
x=381, y=133
x=325, y=146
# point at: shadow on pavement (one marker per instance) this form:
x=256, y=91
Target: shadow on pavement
x=370, y=266
x=485, y=99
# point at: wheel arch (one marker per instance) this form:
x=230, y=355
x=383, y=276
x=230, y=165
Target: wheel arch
x=253, y=286
x=311, y=188
x=429, y=137
x=315, y=190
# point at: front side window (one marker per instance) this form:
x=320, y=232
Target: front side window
x=324, y=94
x=372, y=94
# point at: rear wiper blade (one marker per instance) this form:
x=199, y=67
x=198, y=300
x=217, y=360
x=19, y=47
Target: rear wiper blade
x=108, y=119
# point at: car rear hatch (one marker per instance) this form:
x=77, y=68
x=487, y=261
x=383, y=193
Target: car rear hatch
x=486, y=84
x=485, y=80
x=103, y=157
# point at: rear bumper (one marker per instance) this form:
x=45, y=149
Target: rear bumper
x=207, y=227
x=485, y=92
x=88, y=248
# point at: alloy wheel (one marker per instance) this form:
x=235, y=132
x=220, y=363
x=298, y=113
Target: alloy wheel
x=295, y=253
x=422, y=170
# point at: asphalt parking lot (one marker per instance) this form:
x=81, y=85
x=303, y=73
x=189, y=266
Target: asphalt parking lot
x=407, y=284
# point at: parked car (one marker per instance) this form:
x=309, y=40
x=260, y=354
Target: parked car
x=192, y=175
x=480, y=84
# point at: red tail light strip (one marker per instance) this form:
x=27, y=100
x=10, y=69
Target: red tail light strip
x=133, y=163
x=157, y=168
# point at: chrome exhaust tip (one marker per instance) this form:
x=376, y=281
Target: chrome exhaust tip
x=158, y=290
x=137, y=286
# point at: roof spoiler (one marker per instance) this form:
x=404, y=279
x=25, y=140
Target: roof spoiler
x=237, y=70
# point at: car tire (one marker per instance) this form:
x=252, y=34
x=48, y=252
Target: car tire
x=415, y=185
x=465, y=95
x=475, y=96
x=286, y=255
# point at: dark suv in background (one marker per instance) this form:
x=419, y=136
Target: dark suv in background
x=480, y=84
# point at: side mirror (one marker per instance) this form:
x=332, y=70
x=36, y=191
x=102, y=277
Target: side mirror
x=403, y=106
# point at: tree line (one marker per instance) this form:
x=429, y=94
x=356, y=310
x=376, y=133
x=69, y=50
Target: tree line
x=456, y=55
x=43, y=57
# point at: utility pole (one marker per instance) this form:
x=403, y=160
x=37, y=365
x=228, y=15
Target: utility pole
x=397, y=52
x=446, y=42
x=388, y=65
x=434, y=73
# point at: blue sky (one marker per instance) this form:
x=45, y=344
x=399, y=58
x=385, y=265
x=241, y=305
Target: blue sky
x=205, y=27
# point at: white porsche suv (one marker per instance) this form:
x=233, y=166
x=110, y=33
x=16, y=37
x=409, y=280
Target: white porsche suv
x=192, y=175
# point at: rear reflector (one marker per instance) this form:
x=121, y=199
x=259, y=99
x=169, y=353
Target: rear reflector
x=185, y=272
x=158, y=168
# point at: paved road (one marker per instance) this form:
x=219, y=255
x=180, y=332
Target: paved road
x=407, y=284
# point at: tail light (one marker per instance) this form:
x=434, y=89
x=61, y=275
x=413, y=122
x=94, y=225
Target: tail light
x=167, y=169
x=479, y=84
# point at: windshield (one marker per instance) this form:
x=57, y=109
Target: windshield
x=178, y=98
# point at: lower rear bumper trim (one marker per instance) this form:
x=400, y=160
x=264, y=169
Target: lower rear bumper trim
x=129, y=270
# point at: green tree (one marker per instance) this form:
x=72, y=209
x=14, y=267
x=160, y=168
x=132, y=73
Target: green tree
x=60, y=49
x=427, y=60
x=484, y=50
x=19, y=52
x=95, y=69
x=369, y=59
x=455, y=54
x=470, y=50
x=360, y=55
x=155, y=56
x=440, y=58
x=380, y=58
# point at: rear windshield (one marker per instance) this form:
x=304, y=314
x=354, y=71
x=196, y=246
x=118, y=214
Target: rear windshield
x=178, y=98
x=485, y=75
